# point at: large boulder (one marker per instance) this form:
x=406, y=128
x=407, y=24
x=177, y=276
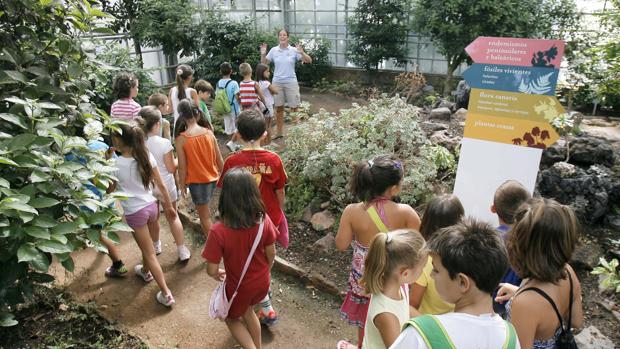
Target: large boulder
x=445, y=139
x=323, y=220
x=592, y=338
x=586, y=191
x=462, y=94
x=554, y=153
x=461, y=114
x=325, y=244
x=441, y=113
x=587, y=150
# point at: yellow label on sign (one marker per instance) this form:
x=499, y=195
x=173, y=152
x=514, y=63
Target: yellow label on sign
x=514, y=105
x=527, y=133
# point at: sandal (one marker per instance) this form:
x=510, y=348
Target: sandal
x=277, y=137
x=345, y=345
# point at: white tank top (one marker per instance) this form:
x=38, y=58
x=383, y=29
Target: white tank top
x=175, y=100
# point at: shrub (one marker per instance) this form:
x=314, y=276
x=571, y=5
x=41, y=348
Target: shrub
x=46, y=98
x=321, y=153
x=610, y=274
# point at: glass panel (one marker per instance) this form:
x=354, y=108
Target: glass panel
x=303, y=29
x=426, y=50
x=425, y=66
x=440, y=67
x=264, y=4
x=304, y=5
x=413, y=51
x=277, y=19
x=305, y=17
x=326, y=5
x=242, y=4
x=325, y=18
x=238, y=15
x=341, y=5
x=328, y=31
x=262, y=21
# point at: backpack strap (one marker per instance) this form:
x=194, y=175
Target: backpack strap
x=511, y=336
x=225, y=86
x=432, y=332
x=374, y=215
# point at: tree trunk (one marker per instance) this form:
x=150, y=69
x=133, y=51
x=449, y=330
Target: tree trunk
x=171, y=62
x=447, y=86
x=138, y=48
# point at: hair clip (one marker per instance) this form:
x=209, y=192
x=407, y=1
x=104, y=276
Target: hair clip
x=398, y=165
x=179, y=71
x=371, y=163
x=389, y=237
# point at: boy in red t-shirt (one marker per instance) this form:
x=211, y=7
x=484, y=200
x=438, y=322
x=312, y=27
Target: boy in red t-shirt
x=268, y=170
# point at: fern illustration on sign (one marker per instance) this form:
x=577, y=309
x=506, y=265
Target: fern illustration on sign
x=540, y=86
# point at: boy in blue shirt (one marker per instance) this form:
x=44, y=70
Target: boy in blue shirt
x=232, y=90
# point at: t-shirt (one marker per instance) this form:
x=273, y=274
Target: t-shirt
x=159, y=147
x=284, y=61
x=431, y=302
x=125, y=109
x=248, y=94
x=205, y=110
x=466, y=331
x=130, y=182
x=234, y=245
x=201, y=157
x=380, y=303
x=268, y=170
x=174, y=97
x=232, y=90
x=264, y=86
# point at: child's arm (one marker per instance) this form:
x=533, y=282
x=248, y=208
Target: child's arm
x=577, y=319
x=194, y=96
x=218, y=154
x=170, y=162
x=412, y=217
x=280, y=194
x=214, y=271
x=270, y=253
x=259, y=91
x=272, y=89
x=345, y=233
x=166, y=129
x=111, y=188
x=169, y=110
x=416, y=295
x=388, y=326
x=164, y=192
x=182, y=164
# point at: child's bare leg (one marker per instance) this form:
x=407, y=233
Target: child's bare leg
x=151, y=264
x=253, y=324
x=113, y=251
x=204, y=213
x=268, y=138
x=176, y=227
x=279, y=121
x=154, y=227
x=241, y=333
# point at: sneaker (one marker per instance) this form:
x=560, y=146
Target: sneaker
x=238, y=147
x=167, y=300
x=148, y=277
x=114, y=272
x=184, y=253
x=231, y=146
x=157, y=247
x=267, y=319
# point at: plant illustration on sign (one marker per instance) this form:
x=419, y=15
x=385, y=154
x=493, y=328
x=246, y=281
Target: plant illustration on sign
x=539, y=86
x=544, y=59
x=547, y=109
x=533, y=139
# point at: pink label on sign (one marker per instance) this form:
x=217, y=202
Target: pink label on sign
x=515, y=51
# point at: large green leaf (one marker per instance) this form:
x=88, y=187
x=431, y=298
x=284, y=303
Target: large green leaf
x=28, y=253
x=39, y=176
x=68, y=264
x=7, y=320
x=16, y=76
x=14, y=119
x=50, y=246
x=4, y=183
x=99, y=218
x=45, y=221
x=37, y=232
x=43, y=202
x=21, y=141
x=18, y=206
x=7, y=161
x=66, y=228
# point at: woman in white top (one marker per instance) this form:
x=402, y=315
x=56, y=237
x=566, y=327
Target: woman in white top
x=162, y=150
x=181, y=91
x=394, y=261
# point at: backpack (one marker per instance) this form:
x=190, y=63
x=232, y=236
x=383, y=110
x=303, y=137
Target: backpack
x=435, y=336
x=222, y=104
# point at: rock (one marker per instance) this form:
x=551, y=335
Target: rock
x=442, y=113
x=592, y=338
x=63, y=307
x=288, y=268
x=461, y=114
x=322, y=220
x=325, y=244
x=306, y=214
x=428, y=89
x=554, y=153
x=613, y=221
x=444, y=138
x=587, y=150
x=462, y=94
x=446, y=104
x=586, y=191
x=430, y=127
x=586, y=256
x=325, y=205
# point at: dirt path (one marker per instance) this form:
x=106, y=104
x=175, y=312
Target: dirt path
x=309, y=318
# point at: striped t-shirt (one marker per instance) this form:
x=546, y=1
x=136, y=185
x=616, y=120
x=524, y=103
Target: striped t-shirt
x=247, y=94
x=125, y=109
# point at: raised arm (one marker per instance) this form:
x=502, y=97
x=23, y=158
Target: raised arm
x=259, y=92
x=304, y=56
x=263, y=54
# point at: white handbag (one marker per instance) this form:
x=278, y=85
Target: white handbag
x=219, y=305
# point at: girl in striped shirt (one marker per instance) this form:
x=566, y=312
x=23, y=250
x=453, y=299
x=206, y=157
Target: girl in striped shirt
x=249, y=90
x=125, y=90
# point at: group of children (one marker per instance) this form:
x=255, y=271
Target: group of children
x=445, y=280
x=449, y=281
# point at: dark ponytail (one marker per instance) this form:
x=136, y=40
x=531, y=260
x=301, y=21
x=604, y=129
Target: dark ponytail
x=149, y=116
x=184, y=71
x=188, y=110
x=372, y=178
x=132, y=136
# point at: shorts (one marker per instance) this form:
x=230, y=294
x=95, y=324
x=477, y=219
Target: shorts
x=354, y=309
x=201, y=192
x=288, y=94
x=230, y=123
x=143, y=216
x=246, y=297
x=270, y=113
x=282, y=238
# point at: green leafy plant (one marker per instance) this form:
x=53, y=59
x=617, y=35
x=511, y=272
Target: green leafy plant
x=345, y=88
x=378, y=30
x=567, y=125
x=45, y=210
x=611, y=274
x=320, y=153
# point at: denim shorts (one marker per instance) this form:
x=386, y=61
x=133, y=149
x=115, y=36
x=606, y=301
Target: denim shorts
x=201, y=192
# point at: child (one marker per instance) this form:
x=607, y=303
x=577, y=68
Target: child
x=540, y=245
x=506, y=201
x=125, y=90
x=181, y=91
x=270, y=176
x=232, y=239
x=262, y=76
x=394, y=261
x=376, y=182
x=232, y=90
x=468, y=261
x=160, y=101
x=442, y=211
x=137, y=171
x=249, y=90
x=204, y=90
x=162, y=150
x=200, y=161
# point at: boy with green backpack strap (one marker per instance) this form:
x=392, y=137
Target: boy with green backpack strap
x=469, y=259
x=226, y=103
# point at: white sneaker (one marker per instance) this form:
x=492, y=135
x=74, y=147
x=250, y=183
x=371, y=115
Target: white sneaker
x=147, y=276
x=231, y=146
x=167, y=300
x=184, y=253
x=157, y=247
